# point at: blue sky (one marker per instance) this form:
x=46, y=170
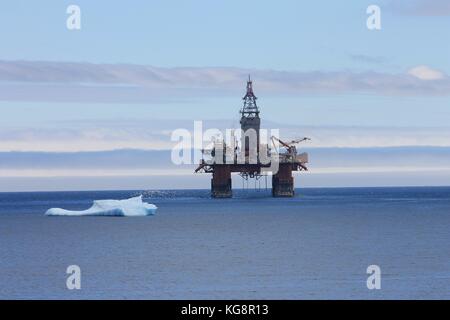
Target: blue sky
x=291, y=35
x=302, y=36
x=134, y=67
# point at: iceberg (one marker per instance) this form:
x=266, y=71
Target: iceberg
x=133, y=207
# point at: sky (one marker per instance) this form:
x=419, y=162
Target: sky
x=136, y=71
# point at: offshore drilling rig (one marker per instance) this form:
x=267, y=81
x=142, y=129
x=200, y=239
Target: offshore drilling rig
x=252, y=159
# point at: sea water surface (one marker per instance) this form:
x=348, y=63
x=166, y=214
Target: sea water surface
x=316, y=245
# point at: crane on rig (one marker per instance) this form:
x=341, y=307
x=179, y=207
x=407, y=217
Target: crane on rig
x=290, y=146
x=291, y=151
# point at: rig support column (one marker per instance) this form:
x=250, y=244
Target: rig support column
x=283, y=182
x=221, y=182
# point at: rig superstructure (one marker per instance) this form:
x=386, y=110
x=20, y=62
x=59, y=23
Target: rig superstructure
x=251, y=159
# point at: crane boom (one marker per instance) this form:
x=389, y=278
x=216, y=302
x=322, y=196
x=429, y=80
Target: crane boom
x=291, y=145
x=284, y=144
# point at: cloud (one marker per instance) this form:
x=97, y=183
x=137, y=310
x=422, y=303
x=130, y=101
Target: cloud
x=99, y=137
x=426, y=73
x=421, y=7
x=123, y=134
x=120, y=83
x=129, y=163
x=363, y=137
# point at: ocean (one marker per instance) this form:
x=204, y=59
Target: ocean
x=317, y=245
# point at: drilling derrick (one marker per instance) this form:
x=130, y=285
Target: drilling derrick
x=252, y=160
x=250, y=123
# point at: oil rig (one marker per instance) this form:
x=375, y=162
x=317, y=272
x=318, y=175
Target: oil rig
x=252, y=159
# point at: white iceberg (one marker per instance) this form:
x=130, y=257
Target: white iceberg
x=133, y=207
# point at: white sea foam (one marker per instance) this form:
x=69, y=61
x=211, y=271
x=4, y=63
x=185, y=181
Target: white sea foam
x=133, y=207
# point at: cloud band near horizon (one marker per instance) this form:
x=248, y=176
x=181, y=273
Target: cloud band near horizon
x=124, y=83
